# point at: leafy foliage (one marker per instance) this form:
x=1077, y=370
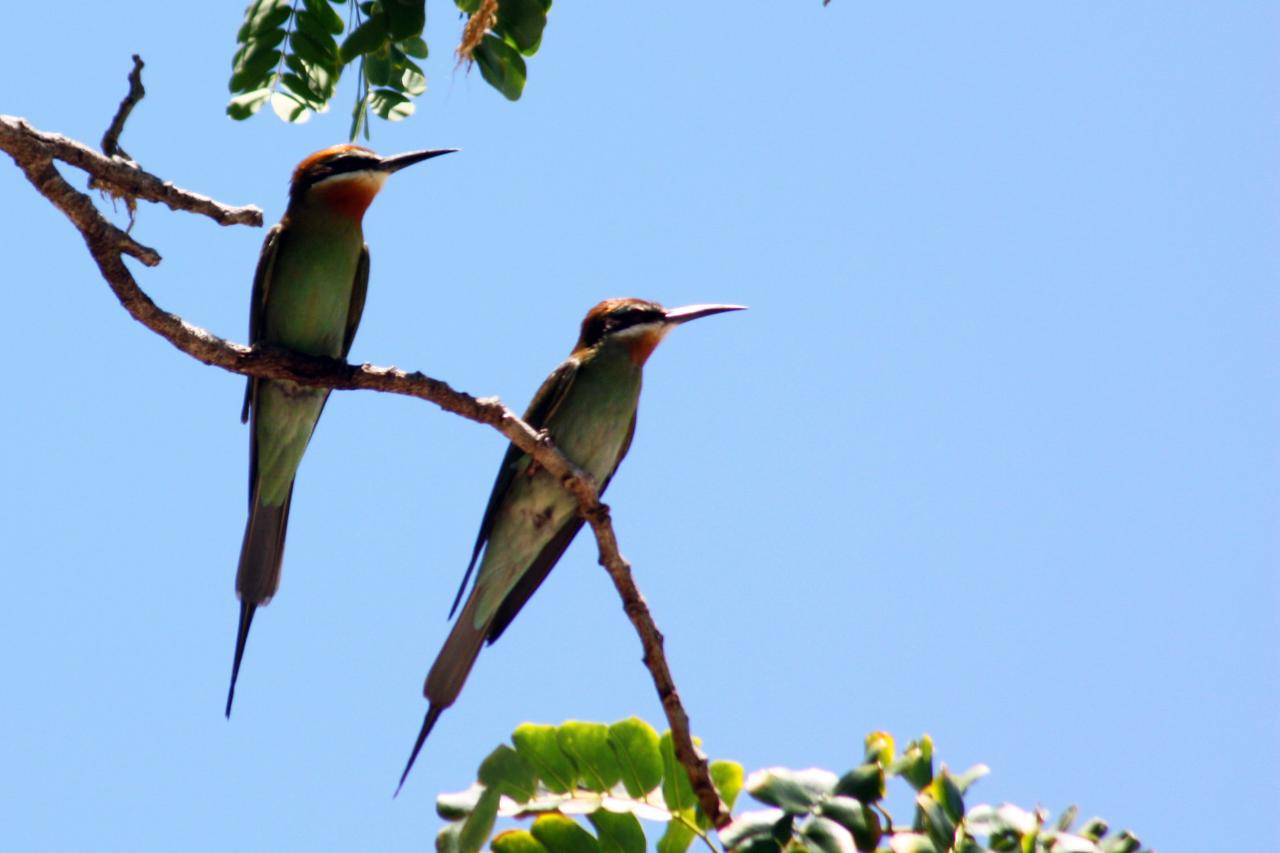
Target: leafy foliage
x=616, y=776
x=291, y=53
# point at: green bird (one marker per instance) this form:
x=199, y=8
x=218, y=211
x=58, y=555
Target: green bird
x=308, y=295
x=588, y=408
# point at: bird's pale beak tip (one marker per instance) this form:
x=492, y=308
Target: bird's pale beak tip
x=693, y=312
x=399, y=161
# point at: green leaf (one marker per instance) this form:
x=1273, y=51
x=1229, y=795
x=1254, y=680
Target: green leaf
x=587, y=745
x=369, y=36
x=319, y=80
x=289, y=108
x=727, y=777
x=561, y=835
x=635, y=744
x=412, y=80
x=257, y=44
x=299, y=88
x=537, y=745
x=522, y=22
x=390, y=105
x=676, y=839
x=973, y=774
x=1065, y=842
x=748, y=825
x=878, y=747
x=377, y=68
x=253, y=66
x=760, y=845
x=826, y=836
x=619, y=833
x=476, y=829
x=243, y=106
x=911, y=842
x=862, y=822
x=939, y=826
x=989, y=820
x=508, y=773
x=501, y=66
x=467, y=6
x=264, y=40
x=943, y=788
x=677, y=792
x=1007, y=841
x=1125, y=842
x=360, y=118
x=458, y=805
x=316, y=27
x=324, y=13
x=262, y=16
x=916, y=763
x=865, y=782
x=1094, y=828
x=415, y=47
x=405, y=18
x=312, y=51
x=517, y=841
x=795, y=791
x=447, y=838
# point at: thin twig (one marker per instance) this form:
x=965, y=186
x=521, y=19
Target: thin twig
x=34, y=153
x=597, y=515
x=111, y=139
x=27, y=145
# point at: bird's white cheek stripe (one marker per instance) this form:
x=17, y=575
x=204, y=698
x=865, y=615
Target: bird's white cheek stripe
x=371, y=181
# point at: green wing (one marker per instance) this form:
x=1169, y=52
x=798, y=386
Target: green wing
x=545, y=402
x=358, y=291
x=258, y=305
x=548, y=557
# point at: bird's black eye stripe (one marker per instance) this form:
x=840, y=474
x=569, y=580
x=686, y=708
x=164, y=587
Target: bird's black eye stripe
x=350, y=161
x=615, y=321
x=633, y=316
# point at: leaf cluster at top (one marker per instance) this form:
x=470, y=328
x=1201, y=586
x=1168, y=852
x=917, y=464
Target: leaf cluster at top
x=289, y=54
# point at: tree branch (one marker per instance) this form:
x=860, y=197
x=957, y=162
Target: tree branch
x=111, y=139
x=34, y=153
x=27, y=145
x=597, y=515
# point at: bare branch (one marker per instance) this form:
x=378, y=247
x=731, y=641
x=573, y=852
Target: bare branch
x=27, y=145
x=111, y=139
x=34, y=153
x=597, y=515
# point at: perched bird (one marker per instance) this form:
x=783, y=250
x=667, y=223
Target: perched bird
x=308, y=294
x=588, y=408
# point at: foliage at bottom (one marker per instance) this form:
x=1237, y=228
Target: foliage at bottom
x=592, y=787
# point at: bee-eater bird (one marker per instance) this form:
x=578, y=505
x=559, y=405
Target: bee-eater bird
x=308, y=294
x=588, y=408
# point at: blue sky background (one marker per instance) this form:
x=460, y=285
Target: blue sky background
x=992, y=456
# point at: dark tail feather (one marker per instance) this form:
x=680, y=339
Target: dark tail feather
x=433, y=714
x=258, y=576
x=247, y=609
x=448, y=674
x=453, y=664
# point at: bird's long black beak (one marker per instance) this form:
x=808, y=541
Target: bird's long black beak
x=693, y=312
x=396, y=162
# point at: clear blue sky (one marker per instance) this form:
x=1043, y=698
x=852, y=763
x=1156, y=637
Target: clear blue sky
x=993, y=455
